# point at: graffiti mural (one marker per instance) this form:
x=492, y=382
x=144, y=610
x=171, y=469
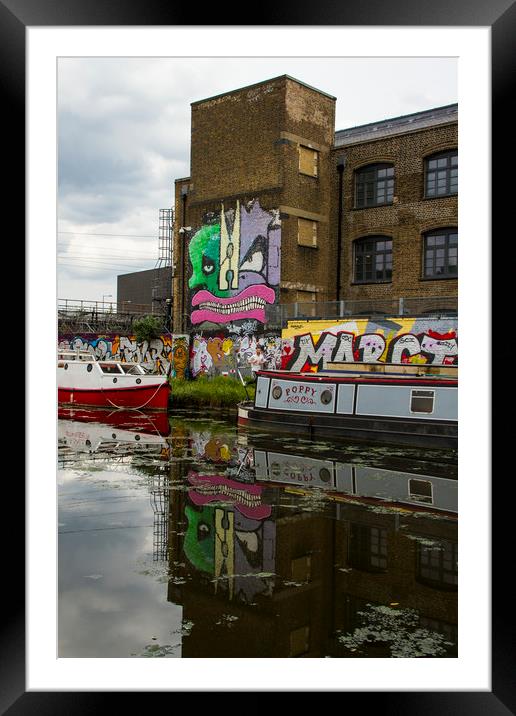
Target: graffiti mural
x=235, y=266
x=167, y=354
x=219, y=353
x=311, y=345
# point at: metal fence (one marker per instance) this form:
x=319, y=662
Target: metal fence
x=431, y=306
x=106, y=316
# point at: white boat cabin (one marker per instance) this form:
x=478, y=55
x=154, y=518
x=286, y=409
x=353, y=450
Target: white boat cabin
x=106, y=367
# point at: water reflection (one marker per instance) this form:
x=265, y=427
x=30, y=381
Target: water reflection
x=277, y=548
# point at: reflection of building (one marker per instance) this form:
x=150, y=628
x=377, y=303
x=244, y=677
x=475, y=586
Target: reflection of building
x=396, y=559
x=281, y=571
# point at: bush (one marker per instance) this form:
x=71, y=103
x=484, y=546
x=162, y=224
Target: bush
x=147, y=328
x=217, y=392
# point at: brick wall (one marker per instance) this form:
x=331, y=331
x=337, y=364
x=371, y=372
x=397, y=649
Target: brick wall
x=405, y=221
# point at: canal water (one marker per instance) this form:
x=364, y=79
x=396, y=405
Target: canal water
x=183, y=536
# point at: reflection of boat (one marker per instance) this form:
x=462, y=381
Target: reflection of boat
x=82, y=380
x=155, y=423
x=97, y=437
x=406, y=404
x=115, y=431
x=350, y=481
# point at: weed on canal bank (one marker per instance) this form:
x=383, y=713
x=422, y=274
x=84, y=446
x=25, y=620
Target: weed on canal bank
x=214, y=392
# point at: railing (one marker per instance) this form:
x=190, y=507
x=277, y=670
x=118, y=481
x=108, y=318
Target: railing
x=107, y=316
x=72, y=307
x=435, y=306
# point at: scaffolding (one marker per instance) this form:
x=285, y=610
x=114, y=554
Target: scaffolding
x=162, y=286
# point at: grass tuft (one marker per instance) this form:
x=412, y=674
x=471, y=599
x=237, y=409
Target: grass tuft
x=213, y=392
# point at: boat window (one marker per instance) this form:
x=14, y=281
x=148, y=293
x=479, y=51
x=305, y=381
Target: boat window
x=420, y=490
x=110, y=367
x=131, y=369
x=422, y=401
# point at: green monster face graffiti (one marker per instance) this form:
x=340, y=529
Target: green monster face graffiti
x=235, y=266
x=205, y=258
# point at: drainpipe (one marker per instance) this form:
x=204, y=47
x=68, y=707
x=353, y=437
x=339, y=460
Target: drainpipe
x=184, y=192
x=341, y=163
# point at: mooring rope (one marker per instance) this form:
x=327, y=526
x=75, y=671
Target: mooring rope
x=126, y=407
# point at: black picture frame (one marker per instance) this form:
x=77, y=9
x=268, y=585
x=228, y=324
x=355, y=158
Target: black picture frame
x=15, y=17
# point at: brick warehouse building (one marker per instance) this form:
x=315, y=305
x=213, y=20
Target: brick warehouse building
x=280, y=208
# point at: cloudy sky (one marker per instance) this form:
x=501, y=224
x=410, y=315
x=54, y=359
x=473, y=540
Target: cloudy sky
x=124, y=137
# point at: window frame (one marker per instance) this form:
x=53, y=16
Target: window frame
x=447, y=232
x=362, y=241
x=375, y=167
x=447, y=154
x=303, y=151
x=302, y=221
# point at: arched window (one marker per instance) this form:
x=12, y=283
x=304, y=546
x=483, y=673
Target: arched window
x=441, y=174
x=374, y=185
x=372, y=259
x=440, y=253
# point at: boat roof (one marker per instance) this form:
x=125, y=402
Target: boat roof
x=87, y=356
x=363, y=376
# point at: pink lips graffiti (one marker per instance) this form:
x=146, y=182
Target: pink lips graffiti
x=249, y=303
x=215, y=488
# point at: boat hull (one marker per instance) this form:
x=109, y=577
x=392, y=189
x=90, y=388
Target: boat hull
x=385, y=430
x=148, y=397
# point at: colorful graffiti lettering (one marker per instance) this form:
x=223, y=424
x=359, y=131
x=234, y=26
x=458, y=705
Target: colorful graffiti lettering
x=235, y=266
x=167, y=354
x=427, y=341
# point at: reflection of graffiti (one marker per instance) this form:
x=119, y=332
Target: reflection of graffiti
x=235, y=266
x=156, y=354
x=224, y=354
x=364, y=341
x=246, y=498
x=237, y=551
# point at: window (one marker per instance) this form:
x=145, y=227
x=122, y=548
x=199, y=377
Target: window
x=308, y=161
x=299, y=641
x=441, y=253
x=420, y=490
x=437, y=565
x=110, y=368
x=306, y=232
x=373, y=259
x=441, y=174
x=301, y=568
x=374, y=185
x=422, y=401
x=305, y=298
x=368, y=548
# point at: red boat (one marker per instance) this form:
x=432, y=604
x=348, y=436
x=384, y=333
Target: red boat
x=82, y=380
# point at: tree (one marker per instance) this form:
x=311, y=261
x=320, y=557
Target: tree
x=147, y=328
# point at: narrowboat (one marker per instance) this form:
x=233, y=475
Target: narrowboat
x=402, y=404
x=83, y=380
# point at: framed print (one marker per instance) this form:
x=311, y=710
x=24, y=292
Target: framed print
x=38, y=36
